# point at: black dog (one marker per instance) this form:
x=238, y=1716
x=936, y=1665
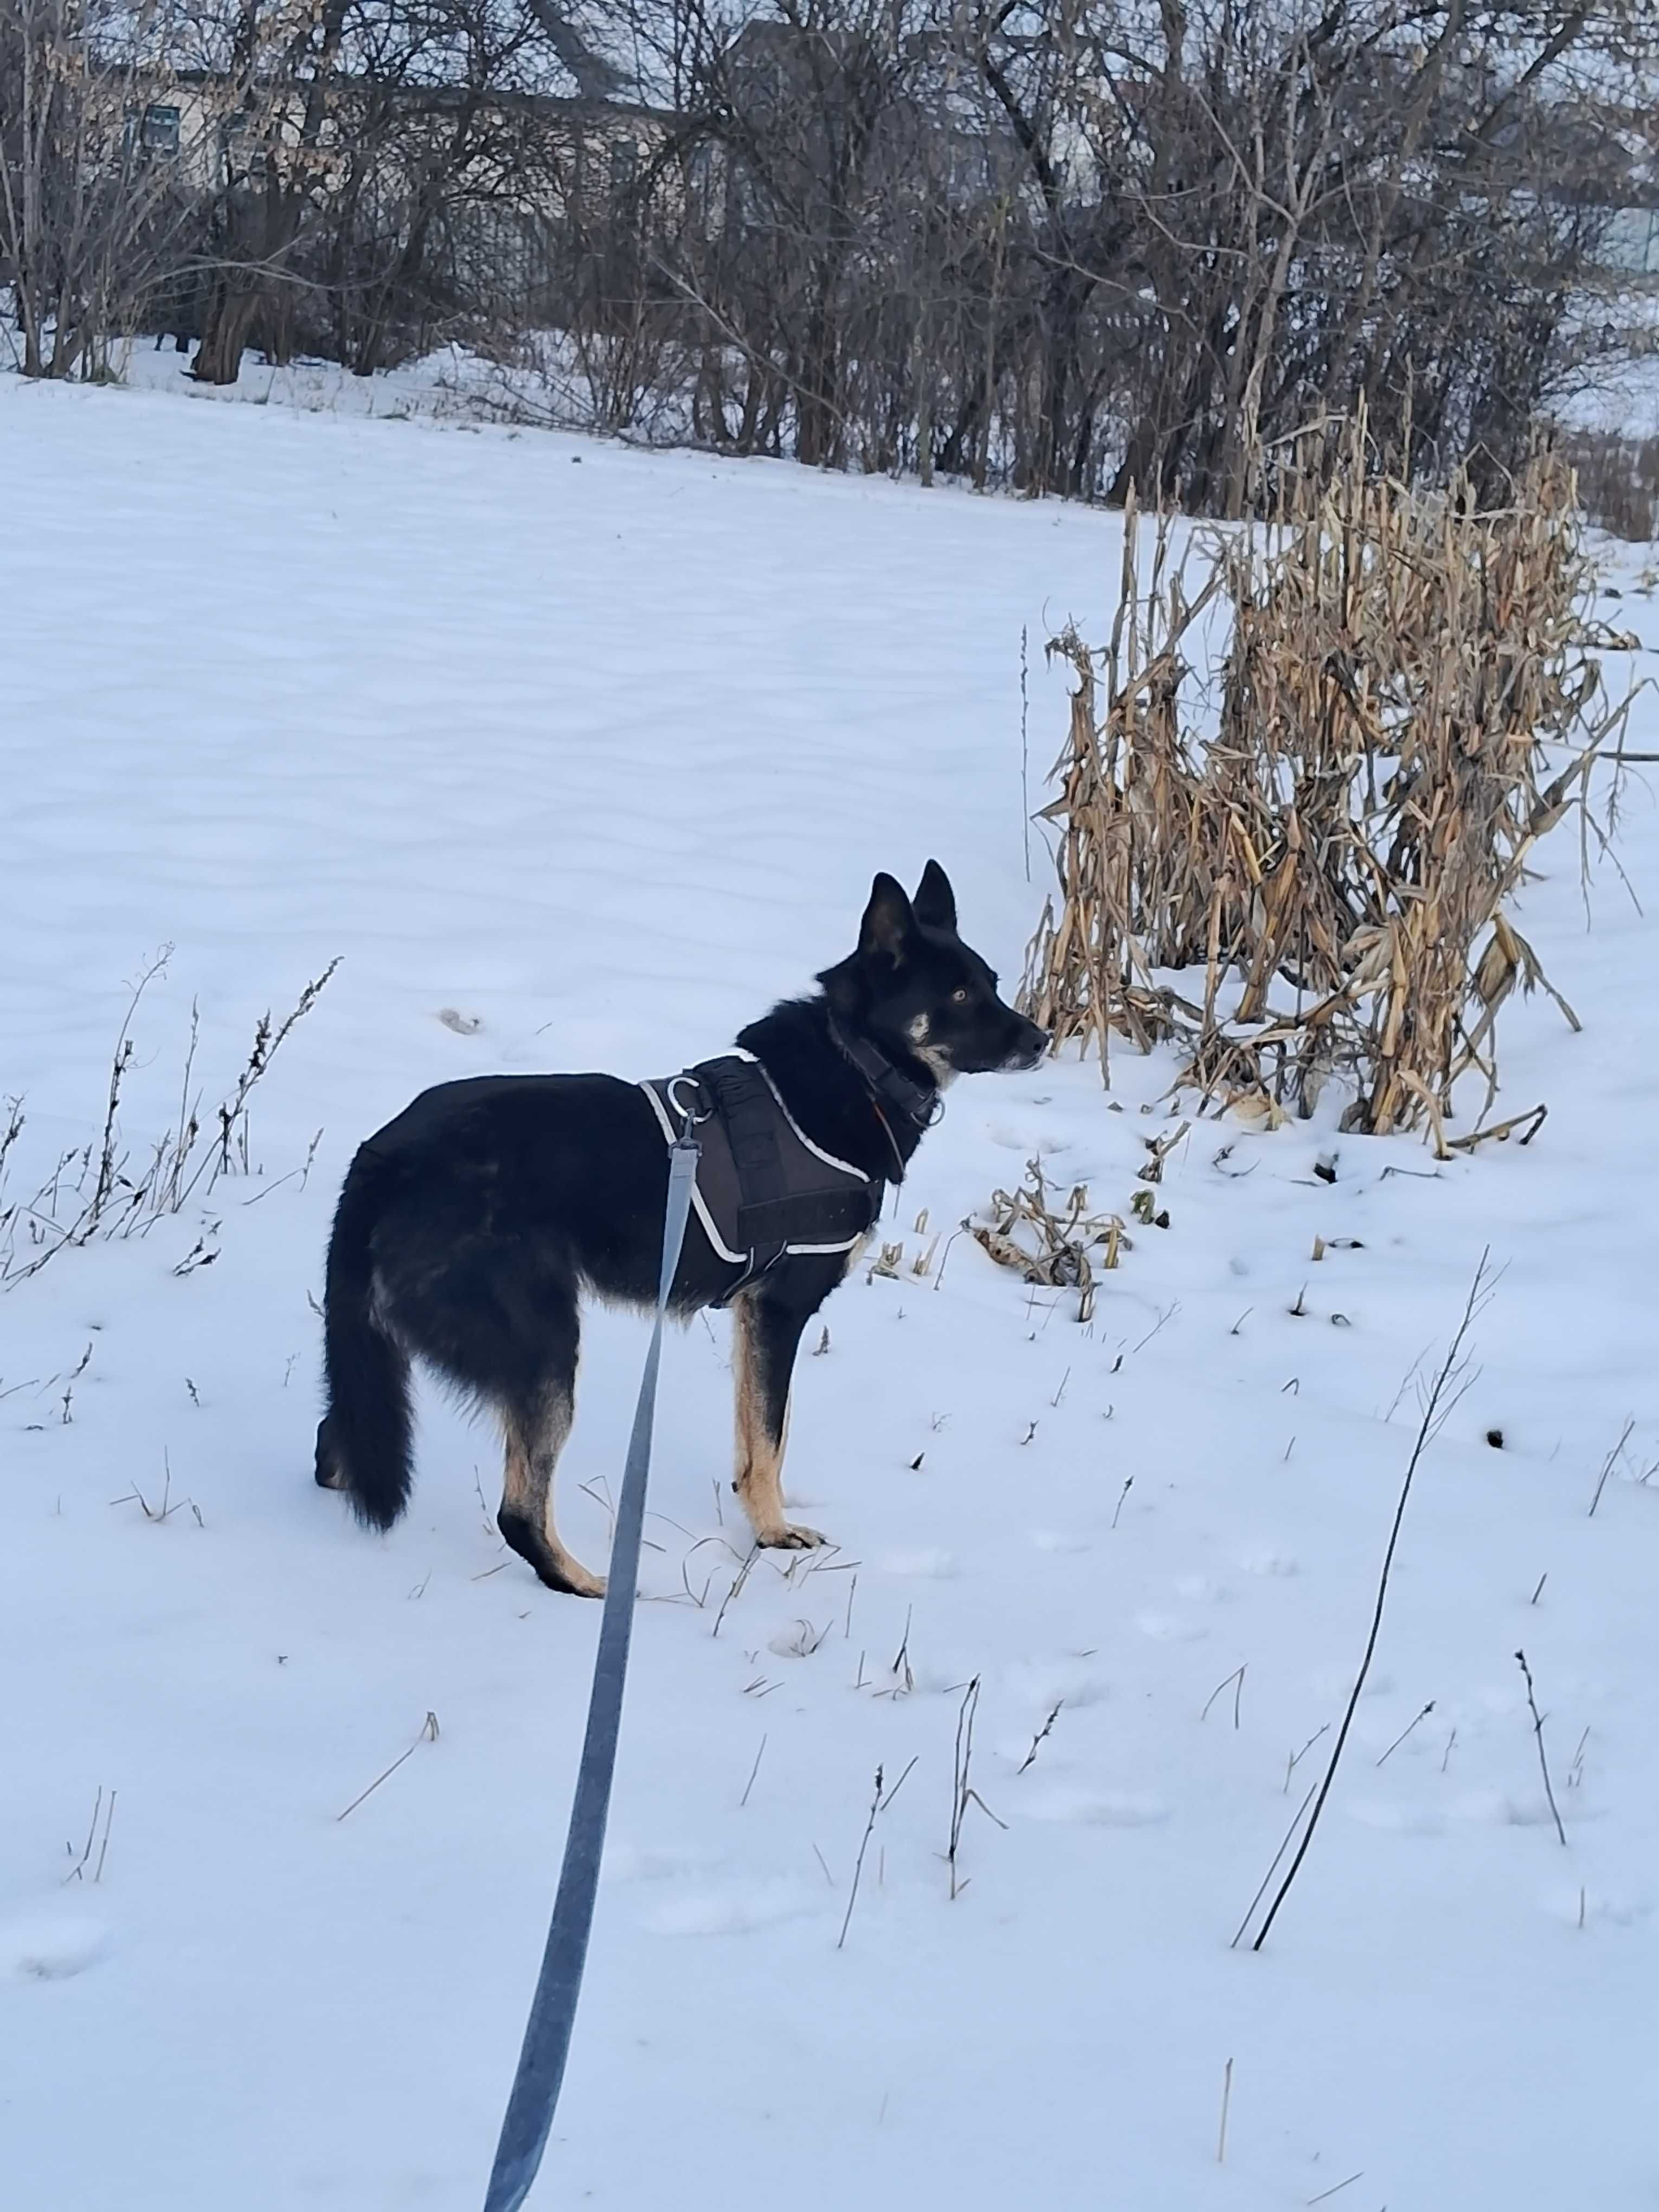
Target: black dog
x=468, y=1228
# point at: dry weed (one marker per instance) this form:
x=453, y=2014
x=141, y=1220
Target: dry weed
x=1408, y=704
x=1046, y=1240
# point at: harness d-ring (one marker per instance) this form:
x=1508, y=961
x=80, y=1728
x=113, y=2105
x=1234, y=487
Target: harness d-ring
x=686, y=1114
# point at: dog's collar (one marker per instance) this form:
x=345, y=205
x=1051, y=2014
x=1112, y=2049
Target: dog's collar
x=919, y=1104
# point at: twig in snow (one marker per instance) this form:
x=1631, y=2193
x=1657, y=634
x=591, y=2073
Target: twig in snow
x=1406, y=1731
x=168, y=1506
x=1166, y=1316
x=108, y=1165
x=1537, y=1730
x=1274, y=1869
x=904, y=1678
x=1405, y=1382
x=1437, y=1405
x=1226, y=2098
x=109, y=1819
x=1041, y=1737
x=1608, y=1464
x=738, y=1580
x=878, y=1804
x=963, y=1792
x=78, y=1870
x=1297, y=1757
x=753, y=1772
x=1129, y=1484
x=76, y=1373
x=1236, y=1678
x=429, y=1734
x=938, y=1279
x=1348, y=2184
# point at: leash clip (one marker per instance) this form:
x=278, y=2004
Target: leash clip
x=690, y=1119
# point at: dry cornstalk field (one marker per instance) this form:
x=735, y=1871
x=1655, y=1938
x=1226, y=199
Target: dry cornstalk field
x=1408, y=703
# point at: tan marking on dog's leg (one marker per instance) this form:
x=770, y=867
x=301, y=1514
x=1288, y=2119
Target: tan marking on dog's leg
x=758, y=1481
x=526, y=1519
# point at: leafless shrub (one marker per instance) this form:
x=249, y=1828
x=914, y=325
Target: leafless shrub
x=101, y=1190
x=1068, y=250
x=1408, y=703
x=91, y=215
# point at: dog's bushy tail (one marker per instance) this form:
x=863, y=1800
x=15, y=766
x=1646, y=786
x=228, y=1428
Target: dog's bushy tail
x=364, y=1443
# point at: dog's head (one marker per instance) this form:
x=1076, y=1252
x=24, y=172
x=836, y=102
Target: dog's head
x=918, y=990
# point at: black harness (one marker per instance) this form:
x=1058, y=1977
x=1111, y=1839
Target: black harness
x=764, y=1191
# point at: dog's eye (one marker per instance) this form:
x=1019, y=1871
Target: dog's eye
x=959, y=998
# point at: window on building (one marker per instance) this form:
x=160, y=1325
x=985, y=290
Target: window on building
x=158, y=129
x=244, y=163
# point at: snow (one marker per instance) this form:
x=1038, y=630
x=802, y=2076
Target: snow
x=578, y=757
x=1615, y=392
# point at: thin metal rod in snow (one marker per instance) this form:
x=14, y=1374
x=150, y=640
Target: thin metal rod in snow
x=1443, y=1394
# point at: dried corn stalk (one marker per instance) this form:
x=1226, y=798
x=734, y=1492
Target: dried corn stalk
x=1047, y=1240
x=1329, y=875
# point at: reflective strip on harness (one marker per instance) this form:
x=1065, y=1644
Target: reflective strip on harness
x=765, y=1190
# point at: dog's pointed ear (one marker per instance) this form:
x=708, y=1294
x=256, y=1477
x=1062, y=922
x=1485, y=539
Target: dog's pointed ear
x=887, y=920
x=935, y=902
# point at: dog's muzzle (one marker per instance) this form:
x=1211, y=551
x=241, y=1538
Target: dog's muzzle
x=1032, y=1048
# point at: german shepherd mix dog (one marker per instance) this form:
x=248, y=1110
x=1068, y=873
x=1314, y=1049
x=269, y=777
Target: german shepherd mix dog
x=469, y=1228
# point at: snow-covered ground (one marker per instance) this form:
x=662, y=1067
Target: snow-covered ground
x=598, y=752
x=451, y=385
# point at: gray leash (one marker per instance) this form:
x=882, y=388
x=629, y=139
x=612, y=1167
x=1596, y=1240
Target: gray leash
x=553, y=2008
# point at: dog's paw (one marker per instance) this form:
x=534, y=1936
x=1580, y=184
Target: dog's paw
x=553, y=1564
x=786, y=1537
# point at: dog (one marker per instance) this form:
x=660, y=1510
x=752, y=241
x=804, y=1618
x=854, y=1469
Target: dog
x=469, y=1228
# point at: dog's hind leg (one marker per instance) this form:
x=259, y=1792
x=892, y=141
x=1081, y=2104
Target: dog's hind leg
x=526, y=1519
x=764, y=1337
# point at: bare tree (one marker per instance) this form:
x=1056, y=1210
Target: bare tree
x=91, y=210
x=1065, y=246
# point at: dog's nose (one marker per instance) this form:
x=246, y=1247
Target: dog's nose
x=1037, y=1041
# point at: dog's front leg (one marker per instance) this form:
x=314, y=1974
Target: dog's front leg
x=764, y=1337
